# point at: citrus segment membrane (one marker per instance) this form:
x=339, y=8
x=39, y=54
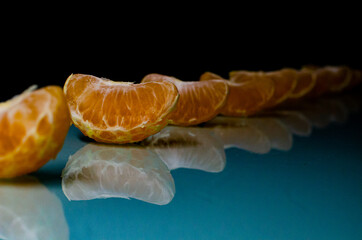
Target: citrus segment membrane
x=279, y=135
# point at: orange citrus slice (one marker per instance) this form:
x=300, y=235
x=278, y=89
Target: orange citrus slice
x=118, y=112
x=199, y=101
x=33, y=127
x=306, y=80
x=188, y=147
x=235, y=132
x=330, y=79
x=247, y=97
x=342, y=76
x=284, y=81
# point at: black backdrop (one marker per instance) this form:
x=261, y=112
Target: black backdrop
x=50, y=55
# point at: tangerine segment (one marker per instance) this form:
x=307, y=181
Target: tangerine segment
x=285, y=81
x=210, y=76
x=118, y=112
x=199, y=101
x=306, y=80
x=33, y=127
x=243, y=75
x=245, y=98
x=329, y=79
x=341, y=77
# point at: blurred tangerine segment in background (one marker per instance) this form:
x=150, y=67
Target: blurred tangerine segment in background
x=306, y=80
x=356, y=78
x=285, y=81
x=119, y=112
x=245, y=98
x=199, y=101
x=33, y=127
x=330, y=79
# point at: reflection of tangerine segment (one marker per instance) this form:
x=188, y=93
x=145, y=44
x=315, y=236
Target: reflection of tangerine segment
x=306, y=80
x=279, y=135
x=356, y=78
x=118, y=112
x=129, y=171
x=28, y=210
x=245, y=98
x=199, y=101
x=33, y=127
x=294, y=120
x=188, y=147
x=322, y=80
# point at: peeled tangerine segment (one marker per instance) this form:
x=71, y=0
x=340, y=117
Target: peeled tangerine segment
x=284, y=82
x=199, y=101
x=330, y=79
x=33, y=127
x=188, y=147
x=295, y=121
x=306, y=80
x=119, y=112
x=29, y=211
x=246, y=97
x=129, y=171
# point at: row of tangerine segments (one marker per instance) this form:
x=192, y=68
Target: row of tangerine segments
x=97, y=105
x=99, y=115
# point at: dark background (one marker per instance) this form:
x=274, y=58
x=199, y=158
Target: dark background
x=42, y=53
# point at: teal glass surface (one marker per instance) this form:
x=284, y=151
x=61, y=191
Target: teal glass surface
x=293, y=173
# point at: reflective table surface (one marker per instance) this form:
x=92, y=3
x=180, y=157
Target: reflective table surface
x=291, y=173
